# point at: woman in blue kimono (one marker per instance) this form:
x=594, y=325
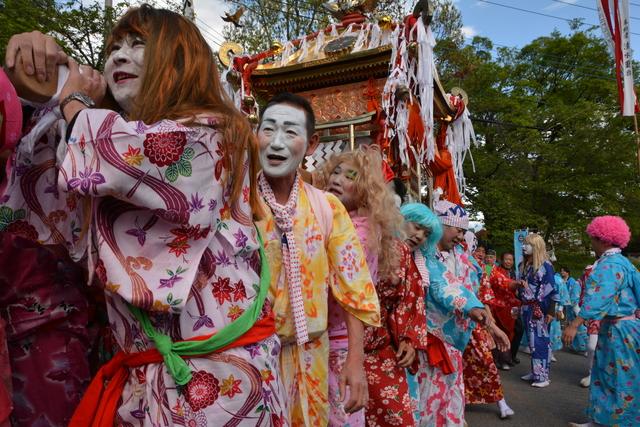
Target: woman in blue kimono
x=612, y=294
x=539, y=297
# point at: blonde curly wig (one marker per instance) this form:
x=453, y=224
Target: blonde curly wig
x=375, y=200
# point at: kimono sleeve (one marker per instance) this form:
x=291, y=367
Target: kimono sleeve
x=448, y=299
x=409, y=314
x=157, y=167
x=352, y=286
x=600, y=291
x=157, y=202
x=574, y=291
x=550, y=279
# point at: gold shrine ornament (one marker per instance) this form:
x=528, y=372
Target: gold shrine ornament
x=385, y=22
x=227, y=51
x=458, y=91
x=276, y=48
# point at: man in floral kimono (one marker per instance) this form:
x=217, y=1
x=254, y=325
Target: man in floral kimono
x=312, y=248
x=459, y=271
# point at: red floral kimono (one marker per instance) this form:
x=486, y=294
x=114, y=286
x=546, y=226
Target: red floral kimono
x=48, y=339
x=481, y=379
x=505, y=300
x=402, y=313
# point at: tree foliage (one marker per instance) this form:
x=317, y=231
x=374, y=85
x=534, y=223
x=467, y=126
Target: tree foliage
x=555, y=151
x=79, y=26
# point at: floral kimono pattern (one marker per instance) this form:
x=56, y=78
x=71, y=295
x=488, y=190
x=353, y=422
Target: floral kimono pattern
x=575, y=293
x=337, y=265
x=481, y=379
x=338, y=342
x=536, y=299
x=163, y=237
x=504, y=302
x=450, y=297
x=43, y=303
x=612, y=295
x=402, y=312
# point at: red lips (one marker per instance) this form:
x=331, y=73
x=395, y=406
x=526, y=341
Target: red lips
x=121, y=75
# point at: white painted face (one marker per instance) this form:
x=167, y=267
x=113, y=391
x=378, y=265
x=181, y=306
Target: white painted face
x=283, y=140
x=123, y=70
x=527, y=249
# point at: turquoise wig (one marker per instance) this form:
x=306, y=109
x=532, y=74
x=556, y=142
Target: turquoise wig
x=420, y=214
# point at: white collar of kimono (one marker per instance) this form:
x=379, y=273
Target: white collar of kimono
x=611, y=251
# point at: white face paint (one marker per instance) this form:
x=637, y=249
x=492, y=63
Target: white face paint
x=527, y=249
x=283, y=140
x=123, y=70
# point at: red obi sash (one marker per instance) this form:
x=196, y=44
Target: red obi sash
x=99, y=404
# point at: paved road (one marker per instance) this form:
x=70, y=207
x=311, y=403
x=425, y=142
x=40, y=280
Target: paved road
x=563, y=401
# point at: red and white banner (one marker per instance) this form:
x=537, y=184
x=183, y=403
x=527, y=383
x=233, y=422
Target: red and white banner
x=614, y=20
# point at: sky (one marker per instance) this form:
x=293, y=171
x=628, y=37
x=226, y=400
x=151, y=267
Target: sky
x=490, y=18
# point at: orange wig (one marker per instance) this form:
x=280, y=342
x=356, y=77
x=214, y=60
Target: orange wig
x=180, y=81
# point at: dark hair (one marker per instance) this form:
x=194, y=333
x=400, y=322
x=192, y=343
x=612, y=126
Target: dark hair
x=491, y=252
x=482, y=244
x=565, y=269
x=505, y=254
x=295, y=101
x=399, y=188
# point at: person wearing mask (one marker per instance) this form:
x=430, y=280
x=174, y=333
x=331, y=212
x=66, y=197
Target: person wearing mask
x=539, y=297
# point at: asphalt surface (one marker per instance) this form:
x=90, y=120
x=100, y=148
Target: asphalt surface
x=562, y=402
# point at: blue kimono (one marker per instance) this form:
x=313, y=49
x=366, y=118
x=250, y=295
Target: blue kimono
x=536, y=299
x=579, y=343
x=555, y=329
x=612, y=294
x=448, y=303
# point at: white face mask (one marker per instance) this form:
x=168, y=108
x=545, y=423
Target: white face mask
x=283, y=140
x=527, y=249
x=123, y=70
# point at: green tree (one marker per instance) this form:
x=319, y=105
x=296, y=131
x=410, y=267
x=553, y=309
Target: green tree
x=267, y=21
x=79, y=26
x=554, y=149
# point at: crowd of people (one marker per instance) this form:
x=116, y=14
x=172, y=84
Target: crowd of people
x=163, y=264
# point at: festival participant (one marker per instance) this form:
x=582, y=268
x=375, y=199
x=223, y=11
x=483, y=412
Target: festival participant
x=451, y=307
x=555, y=327
x=504, y=305
x=460, y=268
x=507, y=262
x=312, y=248
x=593, y=328
x=612, y=295
x=490, y=258
x=539, y=298
x=481, y=379
x=356, y=179
x=391, y=348
x=576, y=291
x=43, y=305
x=170, y=233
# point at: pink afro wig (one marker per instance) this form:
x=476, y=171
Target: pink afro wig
x=610, y=229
